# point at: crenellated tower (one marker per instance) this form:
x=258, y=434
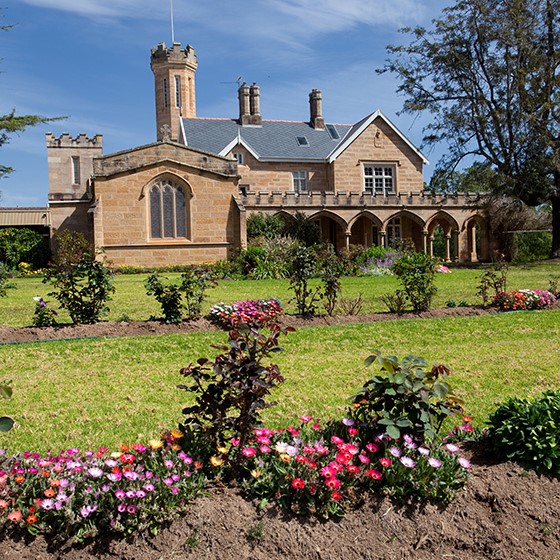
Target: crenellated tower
x=174, y=69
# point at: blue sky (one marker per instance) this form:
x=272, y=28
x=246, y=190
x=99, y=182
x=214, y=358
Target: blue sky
x=90, y=60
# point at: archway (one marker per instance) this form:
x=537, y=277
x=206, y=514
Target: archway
x=405, y=228
x=442, y=237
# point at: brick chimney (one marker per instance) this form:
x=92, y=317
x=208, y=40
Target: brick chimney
x=316, y=109
x=243, y=93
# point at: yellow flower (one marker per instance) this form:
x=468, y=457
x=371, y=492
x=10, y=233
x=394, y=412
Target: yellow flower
x=155, y=443
x=116, y=454
x=255, y=473
x=285, y=457
x=222, y=450
x=216, y=461
x=175, y=446
x=177, y=434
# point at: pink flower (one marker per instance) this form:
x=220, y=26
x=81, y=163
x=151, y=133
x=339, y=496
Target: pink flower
x=465, y=463
x=333, y=483
x=305, y=419
x=435, y=463
x=376, y=475
x=408, y=462
x=249, y=452
x=385, y=462
x=14, y=516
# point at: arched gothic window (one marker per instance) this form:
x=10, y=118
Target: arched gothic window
x=168, y=210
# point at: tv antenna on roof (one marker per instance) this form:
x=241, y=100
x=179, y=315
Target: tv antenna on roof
x=172, y=27
x=238, y=81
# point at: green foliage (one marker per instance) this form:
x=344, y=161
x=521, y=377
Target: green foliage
x=396, y=303
x=231, y=390
x=303, y=229
x=374, y=252
x=416, y=271
x=6, y=423
x=406, y=399
x=250, y=257
x=84, y=284
x=5, y=284
x=43, y=316
x=302, y=269
x=23, y=245
x=332, y=268
x=265, y=225
x=493, y=280
x=531, y=246
x=528, y=430
x=187, y=296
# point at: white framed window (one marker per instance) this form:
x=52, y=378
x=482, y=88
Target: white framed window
x=177, y=91
x=379, y=179
x=299, y=179
x=238, y=156
x=75, y=170
x=168, y=211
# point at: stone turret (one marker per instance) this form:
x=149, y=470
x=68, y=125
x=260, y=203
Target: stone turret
x=174, y=71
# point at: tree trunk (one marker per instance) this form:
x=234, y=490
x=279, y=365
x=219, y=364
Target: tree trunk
x=555, y=253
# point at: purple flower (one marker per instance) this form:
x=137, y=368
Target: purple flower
x=121, y=508
x=169, y=464
x=451, y=447
x=119, y=494
x=131, y=508
x=395, y=451
x=131, y=475
x=423, y=451
x=465, y=463
x=114, y=477
x=149, y=487
x=168, y=481
x=433, y=462
x=47, y=504
x=348, y=421
x=140, y=494
x=95, y=472
x=130, y=494
x=407, y=462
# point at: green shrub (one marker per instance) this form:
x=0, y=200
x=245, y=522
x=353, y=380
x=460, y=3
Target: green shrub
x=332, y=269
x=265, y=225
x=416, y=271
x=405, y=399
x=527, y=430
x=303, y=229
x=531, y=246
x=43, y=316
x=5, y=283
x=84, y=284
x=493, y=280
x=183, y=300
x=302, y=269
x=23, y=245
x=372, y=253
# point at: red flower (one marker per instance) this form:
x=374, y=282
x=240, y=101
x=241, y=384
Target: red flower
x=385, y=462
x=336, y=495
x=376, y=475
x=298, y=483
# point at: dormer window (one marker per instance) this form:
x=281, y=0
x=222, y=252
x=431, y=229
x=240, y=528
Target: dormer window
x=302, y=141
x=333, y=133
x=238, y=156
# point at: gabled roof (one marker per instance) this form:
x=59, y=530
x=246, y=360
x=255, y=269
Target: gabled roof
x=360, y=126
x=273, y=141
x=278, y=140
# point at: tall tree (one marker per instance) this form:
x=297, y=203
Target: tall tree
x=12, y=123
x=488, y=73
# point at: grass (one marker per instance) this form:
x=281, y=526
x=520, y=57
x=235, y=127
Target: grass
x=130, y=301
x=87, y=393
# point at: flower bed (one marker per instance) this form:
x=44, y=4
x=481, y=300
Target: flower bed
x=83, y=492
x=518, y=300
x=253, y=312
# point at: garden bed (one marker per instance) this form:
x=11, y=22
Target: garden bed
x=503, y=513
x=147, y=328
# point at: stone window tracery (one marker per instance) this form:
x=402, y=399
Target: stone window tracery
x=168, y=210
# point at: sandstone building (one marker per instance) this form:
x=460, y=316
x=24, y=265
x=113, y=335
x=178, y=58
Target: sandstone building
x=186, y=197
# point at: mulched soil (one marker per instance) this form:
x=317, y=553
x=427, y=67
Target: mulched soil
x=503, y=513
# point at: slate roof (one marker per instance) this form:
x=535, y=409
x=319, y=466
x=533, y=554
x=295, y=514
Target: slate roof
x=273, y=141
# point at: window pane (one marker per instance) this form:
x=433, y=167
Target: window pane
x=180, y=212
x=168, y=218
x=155, y=212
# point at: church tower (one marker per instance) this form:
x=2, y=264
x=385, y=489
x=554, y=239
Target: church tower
x=174, y=69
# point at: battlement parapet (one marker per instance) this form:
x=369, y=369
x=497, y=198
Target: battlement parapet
x=174, y=54
x=65, y=140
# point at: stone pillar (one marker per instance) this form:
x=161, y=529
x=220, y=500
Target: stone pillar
x=447, y=247
x=474, y=256
x=383, y=235
x=431, y=245
x=425, y=240
x=347, y=239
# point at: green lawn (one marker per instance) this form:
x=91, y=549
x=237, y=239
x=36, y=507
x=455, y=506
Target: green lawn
x=95, y=392
x=130, y=301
